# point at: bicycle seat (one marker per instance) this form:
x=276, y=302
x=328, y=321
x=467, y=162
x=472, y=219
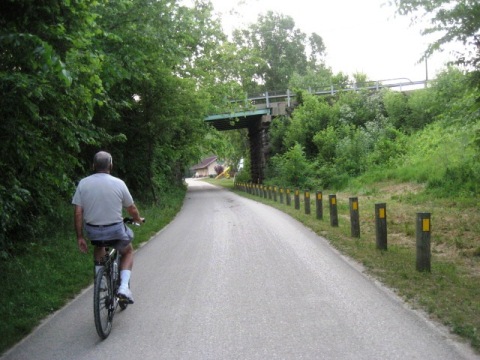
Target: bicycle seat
x=104, y=243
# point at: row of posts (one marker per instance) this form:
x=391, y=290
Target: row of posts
x=423, y=224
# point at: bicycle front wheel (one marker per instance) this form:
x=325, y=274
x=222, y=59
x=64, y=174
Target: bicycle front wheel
x=103, y=303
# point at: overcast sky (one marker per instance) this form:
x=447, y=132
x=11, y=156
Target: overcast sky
x=360, y=35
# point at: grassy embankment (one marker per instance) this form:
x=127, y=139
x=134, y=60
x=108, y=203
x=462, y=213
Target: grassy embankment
x=47, y=273
x=450, y=293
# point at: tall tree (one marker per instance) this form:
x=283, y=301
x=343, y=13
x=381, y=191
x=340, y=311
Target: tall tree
x=282, y=47
x=317, y=50
x=49, y=87
x=157, y=66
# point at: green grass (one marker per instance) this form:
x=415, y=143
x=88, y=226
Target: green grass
x=48, y=272
x=449, y=293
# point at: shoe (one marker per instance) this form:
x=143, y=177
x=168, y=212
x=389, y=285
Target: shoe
x=125, y=293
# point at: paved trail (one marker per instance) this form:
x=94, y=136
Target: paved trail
x=231, y=278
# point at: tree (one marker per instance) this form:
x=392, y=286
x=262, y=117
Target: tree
x=312, y=116
x=127, y=76
x=49, y=87
x=317, y=50
x=314, y=79
x=397, y=109
x=157, y=70
x=282, y=47
x=292, y=168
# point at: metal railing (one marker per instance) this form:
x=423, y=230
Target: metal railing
x=287, y=96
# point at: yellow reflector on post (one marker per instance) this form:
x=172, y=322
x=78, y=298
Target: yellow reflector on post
x=426, y=225
x=381, y=213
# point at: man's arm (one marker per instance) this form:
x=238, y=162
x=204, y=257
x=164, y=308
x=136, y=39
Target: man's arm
x=133, y=211
x=78, y=219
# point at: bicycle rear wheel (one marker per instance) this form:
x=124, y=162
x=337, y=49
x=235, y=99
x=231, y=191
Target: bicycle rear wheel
x=103, y=303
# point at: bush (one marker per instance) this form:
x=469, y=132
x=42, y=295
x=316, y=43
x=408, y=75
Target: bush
x=292, y=169
x=462, y=179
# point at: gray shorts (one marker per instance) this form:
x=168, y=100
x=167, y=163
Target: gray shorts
x=119, y=232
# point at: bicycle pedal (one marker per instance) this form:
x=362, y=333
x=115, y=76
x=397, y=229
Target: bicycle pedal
x=124, y=299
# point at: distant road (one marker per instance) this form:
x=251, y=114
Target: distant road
x=231, y=278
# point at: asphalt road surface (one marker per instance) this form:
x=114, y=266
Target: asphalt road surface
x=231, y=278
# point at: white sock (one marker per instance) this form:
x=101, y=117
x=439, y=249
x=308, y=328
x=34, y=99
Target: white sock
x=125, y=277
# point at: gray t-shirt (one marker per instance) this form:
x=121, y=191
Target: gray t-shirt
x=102, y=198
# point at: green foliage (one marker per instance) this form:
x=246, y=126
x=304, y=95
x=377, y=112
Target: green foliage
x=361, y=107
x=238, y=148
x=314, y=79
x=128, y=76
x=389, y=146
x=245, y=175
x=292, y=169
x=441, y=155
x=277, y=131
x=49, y=90
x=352, y=150
x=281, y=49
x=397, y=108
x=312, y=116
x=428, y=136
x=326, y=141
x=450, y=22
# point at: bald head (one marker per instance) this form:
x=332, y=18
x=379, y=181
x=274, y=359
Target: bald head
x=102, y=162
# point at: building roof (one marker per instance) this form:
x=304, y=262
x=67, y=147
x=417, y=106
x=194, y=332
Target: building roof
x=204, y=163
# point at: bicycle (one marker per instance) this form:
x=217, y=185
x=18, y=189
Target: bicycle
x=106, y=284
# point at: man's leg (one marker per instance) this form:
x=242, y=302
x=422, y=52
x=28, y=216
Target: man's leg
x=126, y=265
x=126, y=262
x=98, y=254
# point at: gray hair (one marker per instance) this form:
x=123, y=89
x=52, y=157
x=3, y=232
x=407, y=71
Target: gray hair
x=102, y=161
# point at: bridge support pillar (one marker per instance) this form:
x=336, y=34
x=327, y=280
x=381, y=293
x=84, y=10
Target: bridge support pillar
x=258, y=136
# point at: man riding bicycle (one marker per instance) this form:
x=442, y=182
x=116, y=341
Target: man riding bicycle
x=98, y=202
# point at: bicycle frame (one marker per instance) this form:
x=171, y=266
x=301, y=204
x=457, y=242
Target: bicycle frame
x=105, y=293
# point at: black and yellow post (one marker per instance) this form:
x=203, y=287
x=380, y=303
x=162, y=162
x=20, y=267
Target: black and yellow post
x=423, y=242
x=297, y=199
x=274, y=193
x=281, y=195
x=265, y=192
x=332, y=200
x=381, y=225
x=288, y=197
x=306, y=199
x=354, y=217
x=319, y=205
